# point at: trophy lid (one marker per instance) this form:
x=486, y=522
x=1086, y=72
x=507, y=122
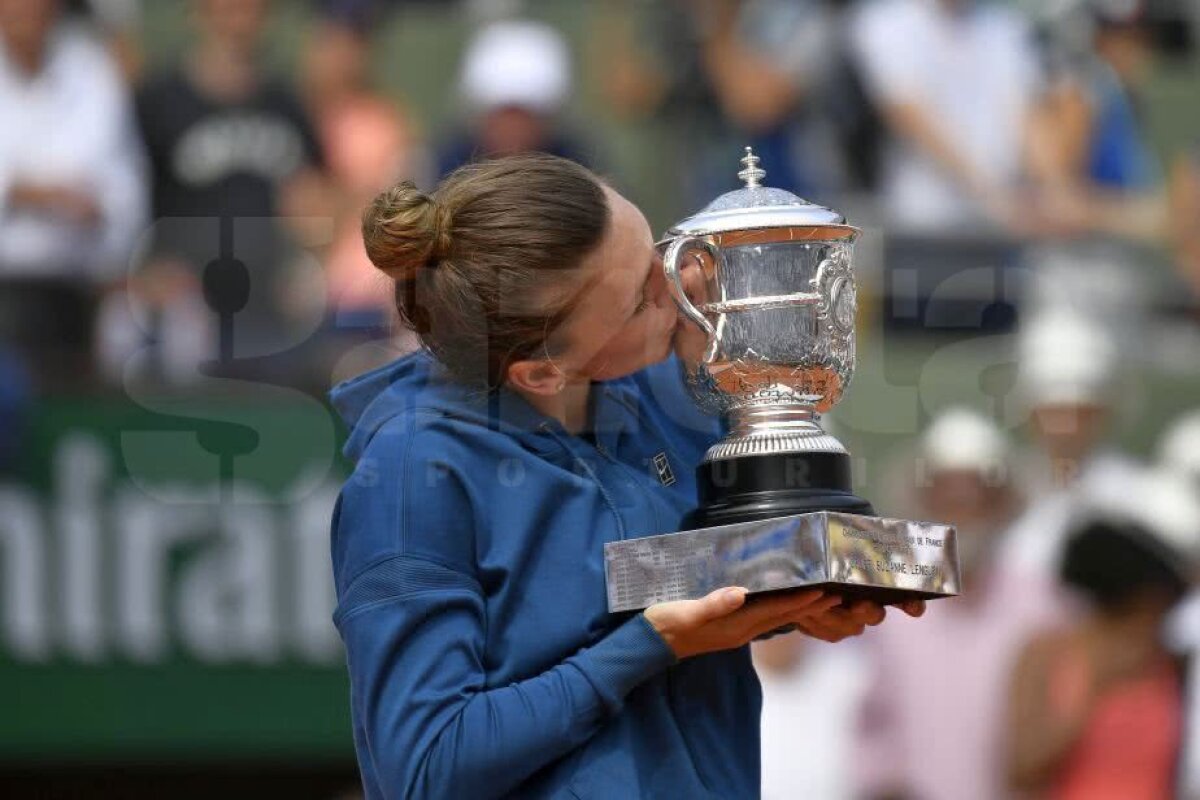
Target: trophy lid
x=755, y=206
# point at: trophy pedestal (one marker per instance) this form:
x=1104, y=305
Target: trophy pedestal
x=784, y=521
x=856, y=556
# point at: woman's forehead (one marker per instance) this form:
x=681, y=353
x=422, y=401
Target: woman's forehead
x=628, y=242
x=625, y=215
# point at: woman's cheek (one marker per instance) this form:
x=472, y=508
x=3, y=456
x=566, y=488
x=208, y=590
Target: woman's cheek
x=646, y=340
x=661, y=338
x=670, y=321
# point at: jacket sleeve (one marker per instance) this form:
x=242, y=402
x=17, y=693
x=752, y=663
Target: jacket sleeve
x=414, y=634
x=411, y=613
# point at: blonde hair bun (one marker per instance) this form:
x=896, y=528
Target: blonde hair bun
x=405, y=229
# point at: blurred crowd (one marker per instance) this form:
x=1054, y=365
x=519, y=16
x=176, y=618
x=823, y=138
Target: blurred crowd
x=184, y=222
x=198, y=216
x=1066, y=669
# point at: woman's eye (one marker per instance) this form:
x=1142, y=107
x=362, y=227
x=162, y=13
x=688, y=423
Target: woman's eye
x=642, y=306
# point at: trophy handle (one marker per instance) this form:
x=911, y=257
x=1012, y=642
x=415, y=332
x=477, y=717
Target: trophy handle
x=675, y=280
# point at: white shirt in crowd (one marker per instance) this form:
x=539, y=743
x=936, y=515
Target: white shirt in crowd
x=973, y=71
x=70, y=124
x=808, y=721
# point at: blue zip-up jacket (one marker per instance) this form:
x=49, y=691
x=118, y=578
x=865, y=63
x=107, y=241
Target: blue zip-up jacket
x=468, y=559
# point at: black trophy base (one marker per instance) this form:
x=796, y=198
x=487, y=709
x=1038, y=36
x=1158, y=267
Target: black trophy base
x=753, y=488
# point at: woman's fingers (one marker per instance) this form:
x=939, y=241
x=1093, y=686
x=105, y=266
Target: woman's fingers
x=728, y=618
x=868, y=612
x=816, y=610
x=789, y=616
x=765, y=614
x=914, y=608
x=715, y=605
x=667, y=618
x=824, y=606
x=770, y=605
x=839, y=623
x=824, y=616
x=828, y=631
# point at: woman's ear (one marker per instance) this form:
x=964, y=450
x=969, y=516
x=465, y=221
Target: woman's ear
x=536, y=376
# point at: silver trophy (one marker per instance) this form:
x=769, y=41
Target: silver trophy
x=778, y=307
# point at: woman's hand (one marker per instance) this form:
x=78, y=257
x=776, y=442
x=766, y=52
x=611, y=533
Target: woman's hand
x=841, y=622
x=724, y=619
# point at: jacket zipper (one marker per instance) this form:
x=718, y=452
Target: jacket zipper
x=604, y=493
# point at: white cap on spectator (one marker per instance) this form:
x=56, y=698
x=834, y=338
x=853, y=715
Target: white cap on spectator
x=1119, y=11
x=963, y=439
x=1179, y=448
x=1065, y=358
x=1166, y=505
x=514, y=63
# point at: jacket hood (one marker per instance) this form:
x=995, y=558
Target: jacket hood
x=417, y=381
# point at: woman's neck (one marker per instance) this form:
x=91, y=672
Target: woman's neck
x=571, y=407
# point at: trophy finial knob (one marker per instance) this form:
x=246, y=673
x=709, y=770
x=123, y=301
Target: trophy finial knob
x=752, y=174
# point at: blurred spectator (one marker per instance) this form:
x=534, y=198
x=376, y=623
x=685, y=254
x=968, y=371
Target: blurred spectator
x=1179, y=455
x=809, y=690
x=516, y=77
x=1096, y=706
x=229, y=147
x=932, y=719
x=780, y=71
x=1179, y=448
x=648, y=56
x=1185, y=223
x=1189, y=760
x=1098, y=166
x=365, y=12
x=1067, y=376
x=1091, y=278
x=15, y=391
x=368, y=145
x=71, y=194
x=773, y=74
x=955, y=81
x=120, y=22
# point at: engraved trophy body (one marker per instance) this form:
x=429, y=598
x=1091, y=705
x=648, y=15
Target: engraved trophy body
x=777, y=510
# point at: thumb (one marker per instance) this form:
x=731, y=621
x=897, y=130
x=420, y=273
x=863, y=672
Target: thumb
x=715, y=605
x=679, y=614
